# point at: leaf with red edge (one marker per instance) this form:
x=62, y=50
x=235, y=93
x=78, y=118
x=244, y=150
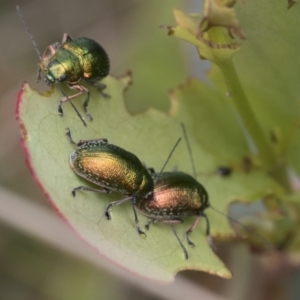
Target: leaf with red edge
x=150, y=136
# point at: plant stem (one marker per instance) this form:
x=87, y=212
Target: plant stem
x=276, y=169
x=244, y=110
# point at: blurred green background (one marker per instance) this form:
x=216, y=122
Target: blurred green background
x=40, y=258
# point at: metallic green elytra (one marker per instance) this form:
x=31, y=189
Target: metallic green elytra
x=113, y=169
x=71, y=61
x=74, y=60
x=176, y=195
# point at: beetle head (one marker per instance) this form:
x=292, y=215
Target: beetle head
x=55, y=73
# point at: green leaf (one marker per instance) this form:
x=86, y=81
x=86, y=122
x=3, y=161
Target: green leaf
x=158, y=256
x=150, y=135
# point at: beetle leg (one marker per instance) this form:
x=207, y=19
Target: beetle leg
x=118, y=202
x=189, y=231
x=136, y=220
x=208, y=236
x=183, y=248
x=81, y=142
x=115, y=203
x=101, y=87
x=88, y=189
x=66, y=38
x=81, y=89
x=151, y=221
x=69, y=136
x=60, y=110
x=194, y=225
x=50, y=51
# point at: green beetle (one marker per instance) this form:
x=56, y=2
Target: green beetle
x=176, y=195
x=74, y=60
x=113, y=169
x=71, y=61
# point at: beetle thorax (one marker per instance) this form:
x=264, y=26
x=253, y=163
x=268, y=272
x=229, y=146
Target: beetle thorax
x=65, y=67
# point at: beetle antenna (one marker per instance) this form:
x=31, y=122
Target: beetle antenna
x=77, y=112
x=171, y=153
x=74, y=107
x=189, y=149
x=28, y=32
